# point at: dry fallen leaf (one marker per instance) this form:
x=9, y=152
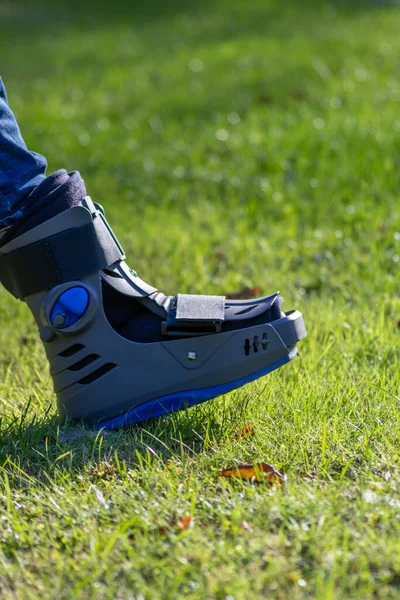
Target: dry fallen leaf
x=219, y=254
x=256, y=473
x=103, y=470
x=244, y=294
x=186, y=522
x=247, y=432
x=183, y=524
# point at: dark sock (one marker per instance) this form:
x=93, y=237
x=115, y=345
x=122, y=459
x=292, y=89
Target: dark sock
x=58, y=192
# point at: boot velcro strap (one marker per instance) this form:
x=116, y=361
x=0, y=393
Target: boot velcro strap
x=200, y=308
x=194, y=315
x=65, y=256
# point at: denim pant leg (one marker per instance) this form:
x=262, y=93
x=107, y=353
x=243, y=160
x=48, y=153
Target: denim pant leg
x=21, y=170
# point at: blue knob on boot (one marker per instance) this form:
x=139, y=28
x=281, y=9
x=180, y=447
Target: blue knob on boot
x=70, y=307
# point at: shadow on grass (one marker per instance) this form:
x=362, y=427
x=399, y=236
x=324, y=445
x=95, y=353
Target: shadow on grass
x=34, y=450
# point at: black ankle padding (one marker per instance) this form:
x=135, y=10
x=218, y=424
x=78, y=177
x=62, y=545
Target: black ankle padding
x=129, y=318
x=119, y=309
x=57, y=193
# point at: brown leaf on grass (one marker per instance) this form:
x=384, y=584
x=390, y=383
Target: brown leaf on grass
x=247, y=432
x=256, y=473
x=244, y=293
x=219, y=254
x=183, y=524
x=103, y=470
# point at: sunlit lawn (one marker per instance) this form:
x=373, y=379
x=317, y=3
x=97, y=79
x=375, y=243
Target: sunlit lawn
x=233, y=144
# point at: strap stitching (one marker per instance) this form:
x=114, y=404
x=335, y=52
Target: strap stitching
x=49, y=257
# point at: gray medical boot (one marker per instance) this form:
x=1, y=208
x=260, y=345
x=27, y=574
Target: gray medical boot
x=121, y=352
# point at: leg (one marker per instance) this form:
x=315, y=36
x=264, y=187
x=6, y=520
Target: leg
x=120, y=351
x=27, y=197
x=21, y=171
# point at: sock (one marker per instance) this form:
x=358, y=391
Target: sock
x=58, y=192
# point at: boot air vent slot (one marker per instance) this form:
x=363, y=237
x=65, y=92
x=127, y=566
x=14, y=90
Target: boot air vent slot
x=256, y=344
x=265, y=341
x=97, y=374
x=84, y=362
x=71, y=350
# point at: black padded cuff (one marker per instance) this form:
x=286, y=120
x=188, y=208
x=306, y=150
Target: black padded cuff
x=71, y=254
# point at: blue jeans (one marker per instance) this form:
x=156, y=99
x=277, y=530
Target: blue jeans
x=20, y=169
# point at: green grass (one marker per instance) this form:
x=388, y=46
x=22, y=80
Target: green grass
x=232, y=144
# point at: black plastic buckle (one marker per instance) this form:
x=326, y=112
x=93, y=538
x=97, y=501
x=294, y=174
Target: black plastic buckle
x=190, y=328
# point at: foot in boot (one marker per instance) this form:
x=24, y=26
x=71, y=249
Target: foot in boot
x=119, y=350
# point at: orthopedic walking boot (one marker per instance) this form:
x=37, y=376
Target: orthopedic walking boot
x=120, y=351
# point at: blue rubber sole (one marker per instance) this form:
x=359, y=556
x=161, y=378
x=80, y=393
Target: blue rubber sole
x=181, y=400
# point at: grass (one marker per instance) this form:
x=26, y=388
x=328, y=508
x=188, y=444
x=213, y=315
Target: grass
x=233, y=144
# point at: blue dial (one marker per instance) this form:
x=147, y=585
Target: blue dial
x=70, y=307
